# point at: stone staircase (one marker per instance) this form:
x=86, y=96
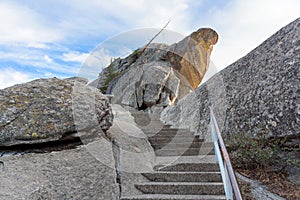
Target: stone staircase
x=185, y=165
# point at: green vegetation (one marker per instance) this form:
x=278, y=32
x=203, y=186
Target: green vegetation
x=111, y=74
x=266, y=160
x=136, y=53
x=249, y=153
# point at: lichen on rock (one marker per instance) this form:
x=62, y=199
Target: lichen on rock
x=43, y=110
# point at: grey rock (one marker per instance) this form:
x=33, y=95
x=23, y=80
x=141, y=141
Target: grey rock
x=258, y=94
x=160, y=74
x=258, y=191
x=69, y=174
x=135, y=152
x=142, y=87
x=49, y=109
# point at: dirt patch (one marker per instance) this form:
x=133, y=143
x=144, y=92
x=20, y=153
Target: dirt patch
x=276, y=182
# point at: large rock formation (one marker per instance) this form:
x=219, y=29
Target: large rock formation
x=70, y=174
x=191, y=55
x=160, y=74
x=258, y=94
x=49, y=109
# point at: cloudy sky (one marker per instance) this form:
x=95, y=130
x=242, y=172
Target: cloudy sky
x=41, y=39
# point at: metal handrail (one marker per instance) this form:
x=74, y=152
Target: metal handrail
x=222, y=157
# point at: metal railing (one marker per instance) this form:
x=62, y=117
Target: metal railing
x=229, y=180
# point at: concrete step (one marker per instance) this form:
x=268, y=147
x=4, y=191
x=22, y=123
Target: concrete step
x=184, y=176
x=164, y=161
x=182, y=188
x=164, y=133
x=142, y=113
x=194, y=144
x=185, y=152
x=173, y=197
x=190, y=167
x=144, y=118
x=149, y=125
x=178, y=137
x=175, y=130
x=164, y=127
x=157, y=140
x=170, y=134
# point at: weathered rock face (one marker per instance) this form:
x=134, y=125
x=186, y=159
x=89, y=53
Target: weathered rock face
x=161, y=74
x=135, y=153
x=70, y=174
x=49, y=109
x=191, y=55
x=258, y=94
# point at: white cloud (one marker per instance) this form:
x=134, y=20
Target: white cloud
x=243, y=25
x=38, y=61
x=20, y=24
x=29, y=31
x=48, y=75
x=75, y=56
x=108, y=17
x=94, y=63
x=48, y=59
x=10, y=77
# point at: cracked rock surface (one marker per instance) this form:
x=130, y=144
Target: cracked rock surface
x=48, y=109
x=160, y=74
x=258, y=94
x=83, y=173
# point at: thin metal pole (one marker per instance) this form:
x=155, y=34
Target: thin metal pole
x=226, y=158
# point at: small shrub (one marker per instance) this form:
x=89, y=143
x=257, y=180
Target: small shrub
x=111, y=74
x=248, y=152
x=136, y=53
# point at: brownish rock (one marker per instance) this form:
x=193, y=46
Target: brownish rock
x=191, y=55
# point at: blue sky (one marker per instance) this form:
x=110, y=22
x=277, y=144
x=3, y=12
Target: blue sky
x=42, y=39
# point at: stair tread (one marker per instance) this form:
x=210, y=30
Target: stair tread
x=167, y=135
x=172, y=145
x=178, y=149
x=173, y=176
x=180, y=172
x=185, y=152
x=170, y=140
x=182, y=188
x=189, y=167
x=195, y=141
x=181, y=129
x=167, y=160
x=180, y=183
x=173, y=197
x=194, y=174
x=190, y=137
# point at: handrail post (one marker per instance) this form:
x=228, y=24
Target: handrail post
x=219, y=160
x=214, y=137
x=229, y=189
x=229, y=180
